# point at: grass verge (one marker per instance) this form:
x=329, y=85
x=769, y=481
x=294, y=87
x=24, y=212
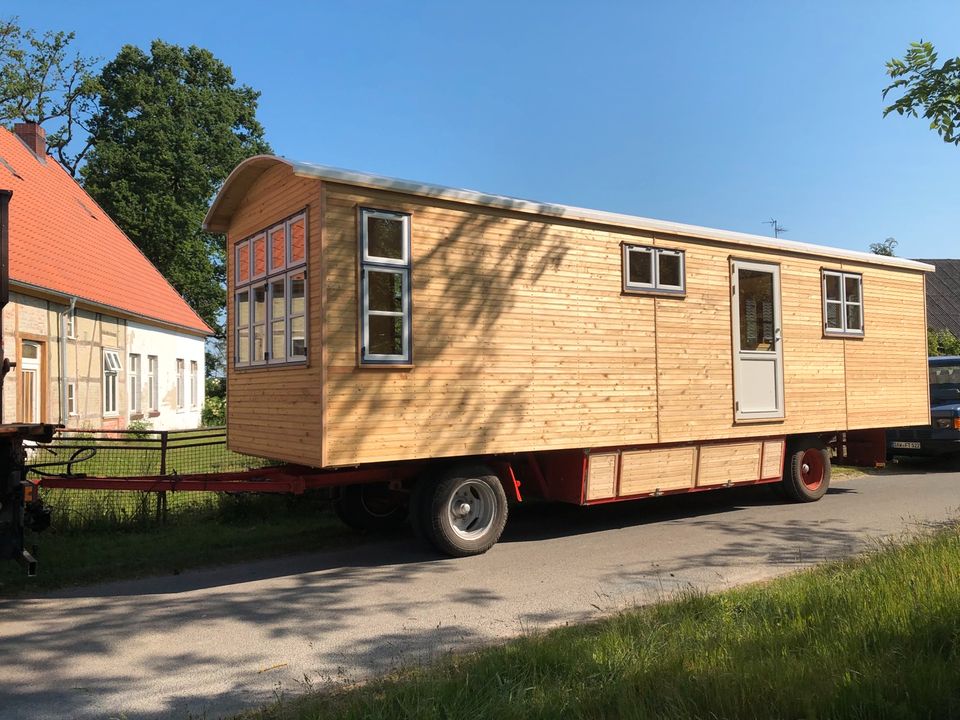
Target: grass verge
x=244, y=528
x=873, y=637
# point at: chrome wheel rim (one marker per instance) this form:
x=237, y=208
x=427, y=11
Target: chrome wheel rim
x=471, y=509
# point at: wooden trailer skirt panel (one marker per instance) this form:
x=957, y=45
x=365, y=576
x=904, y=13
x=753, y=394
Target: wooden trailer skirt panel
x=630, y=473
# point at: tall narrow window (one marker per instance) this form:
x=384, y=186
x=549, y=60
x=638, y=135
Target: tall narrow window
x=385, y=287
x=270, y=295
x=71, y=398
x=111, y=369
x=133, y=378
x=181, y=380
x=153, y=383
x=72, y=323
x=842, y=303
x=194, y=380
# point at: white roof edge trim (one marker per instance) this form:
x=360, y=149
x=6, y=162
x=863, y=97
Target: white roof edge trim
x=570, y=212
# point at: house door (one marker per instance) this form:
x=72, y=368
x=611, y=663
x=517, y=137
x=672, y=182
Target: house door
x=30, y=382
x=757, y=347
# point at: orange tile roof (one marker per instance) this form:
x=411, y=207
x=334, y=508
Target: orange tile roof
x=61, y=240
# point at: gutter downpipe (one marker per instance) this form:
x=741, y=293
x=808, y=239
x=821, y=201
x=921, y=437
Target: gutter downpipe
x=62, y=342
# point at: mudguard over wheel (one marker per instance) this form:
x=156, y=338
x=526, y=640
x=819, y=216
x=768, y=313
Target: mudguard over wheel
x=373, y=508
x=806, y=472
x=461, y=513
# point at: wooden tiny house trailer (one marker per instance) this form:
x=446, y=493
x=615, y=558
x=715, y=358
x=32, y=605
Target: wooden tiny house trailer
x=600, y=356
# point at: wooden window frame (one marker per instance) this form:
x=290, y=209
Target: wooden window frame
x=843, y=276
x=655, y=287
x=274, y=273
x=403, y=267
x=291, y=315
x=72, y=399
x=194, y=387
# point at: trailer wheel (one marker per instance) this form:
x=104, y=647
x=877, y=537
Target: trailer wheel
x=806, y=476
x=464, y=512
x=373, y=508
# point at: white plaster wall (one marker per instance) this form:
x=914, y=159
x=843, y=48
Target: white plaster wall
x=167, y=345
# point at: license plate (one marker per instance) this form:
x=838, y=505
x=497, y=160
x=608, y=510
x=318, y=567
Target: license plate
x=901, y=445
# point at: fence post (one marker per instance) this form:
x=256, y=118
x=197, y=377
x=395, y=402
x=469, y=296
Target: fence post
x=162, y=495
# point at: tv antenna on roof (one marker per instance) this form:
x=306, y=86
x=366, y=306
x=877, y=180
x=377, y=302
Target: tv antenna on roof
x=777, y=227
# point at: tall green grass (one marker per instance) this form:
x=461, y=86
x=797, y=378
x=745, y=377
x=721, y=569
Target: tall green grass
x=874, y=637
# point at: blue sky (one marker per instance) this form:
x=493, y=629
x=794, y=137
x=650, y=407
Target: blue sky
x=719, y=114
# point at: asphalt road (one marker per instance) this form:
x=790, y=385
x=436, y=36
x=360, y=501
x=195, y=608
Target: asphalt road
x=215, y=641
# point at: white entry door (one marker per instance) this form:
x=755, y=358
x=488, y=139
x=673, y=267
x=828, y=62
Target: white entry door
x=757, y=345
x=30, y=382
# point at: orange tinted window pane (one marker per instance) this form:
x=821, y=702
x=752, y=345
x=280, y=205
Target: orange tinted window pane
x=259, y=255
x=277, y=248
x=243, y=262
x=298, y=241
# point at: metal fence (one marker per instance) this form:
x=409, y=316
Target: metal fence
x=141, y=453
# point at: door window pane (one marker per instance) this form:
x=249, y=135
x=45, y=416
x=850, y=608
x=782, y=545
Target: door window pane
x=756, y=310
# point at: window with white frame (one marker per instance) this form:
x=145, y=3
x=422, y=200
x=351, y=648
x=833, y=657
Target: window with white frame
x=653, y=270
x=153, y=383
x=181, y=383
x=72, y=323
x=71, y=398
x=385, y=287
x=133, y=379
x=111, y=369
x=270, y=283
x=842, y=303
x=194, y=371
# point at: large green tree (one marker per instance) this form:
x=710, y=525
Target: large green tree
x=928, y=87
x=171, y=125
x=42, y=80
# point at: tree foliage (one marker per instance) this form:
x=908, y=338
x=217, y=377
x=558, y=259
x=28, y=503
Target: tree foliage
x=942, y=342
x=927, y=87
x=171, y=125
x=43, y=81
x=884, y=248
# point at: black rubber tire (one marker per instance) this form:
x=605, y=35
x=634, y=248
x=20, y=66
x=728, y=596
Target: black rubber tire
x=806, y=473
x=371, y=508
x=434, y=514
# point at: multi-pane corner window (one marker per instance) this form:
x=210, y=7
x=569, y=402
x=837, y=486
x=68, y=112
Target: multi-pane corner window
x=270, y=317
x=111, y=368
x=384, y=287
x=653, y=270
x=842, y=303
x=133, y=378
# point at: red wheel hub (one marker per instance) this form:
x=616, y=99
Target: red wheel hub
x=811, y=469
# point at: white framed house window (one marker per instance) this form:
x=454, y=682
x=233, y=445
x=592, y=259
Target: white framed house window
x=842, y=303
x=270, y=295
x=653, y=270
x=194, y=372
x=153, y=383
x=72, y=324
x=111, y=369
x=385, y=307
x=71, y=398
x=133, y=379
x=181, y=383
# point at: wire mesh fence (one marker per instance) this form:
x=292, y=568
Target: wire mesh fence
x=138, y=454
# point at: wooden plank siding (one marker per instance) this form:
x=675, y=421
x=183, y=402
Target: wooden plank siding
x=276, y=412
x=522, y=340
